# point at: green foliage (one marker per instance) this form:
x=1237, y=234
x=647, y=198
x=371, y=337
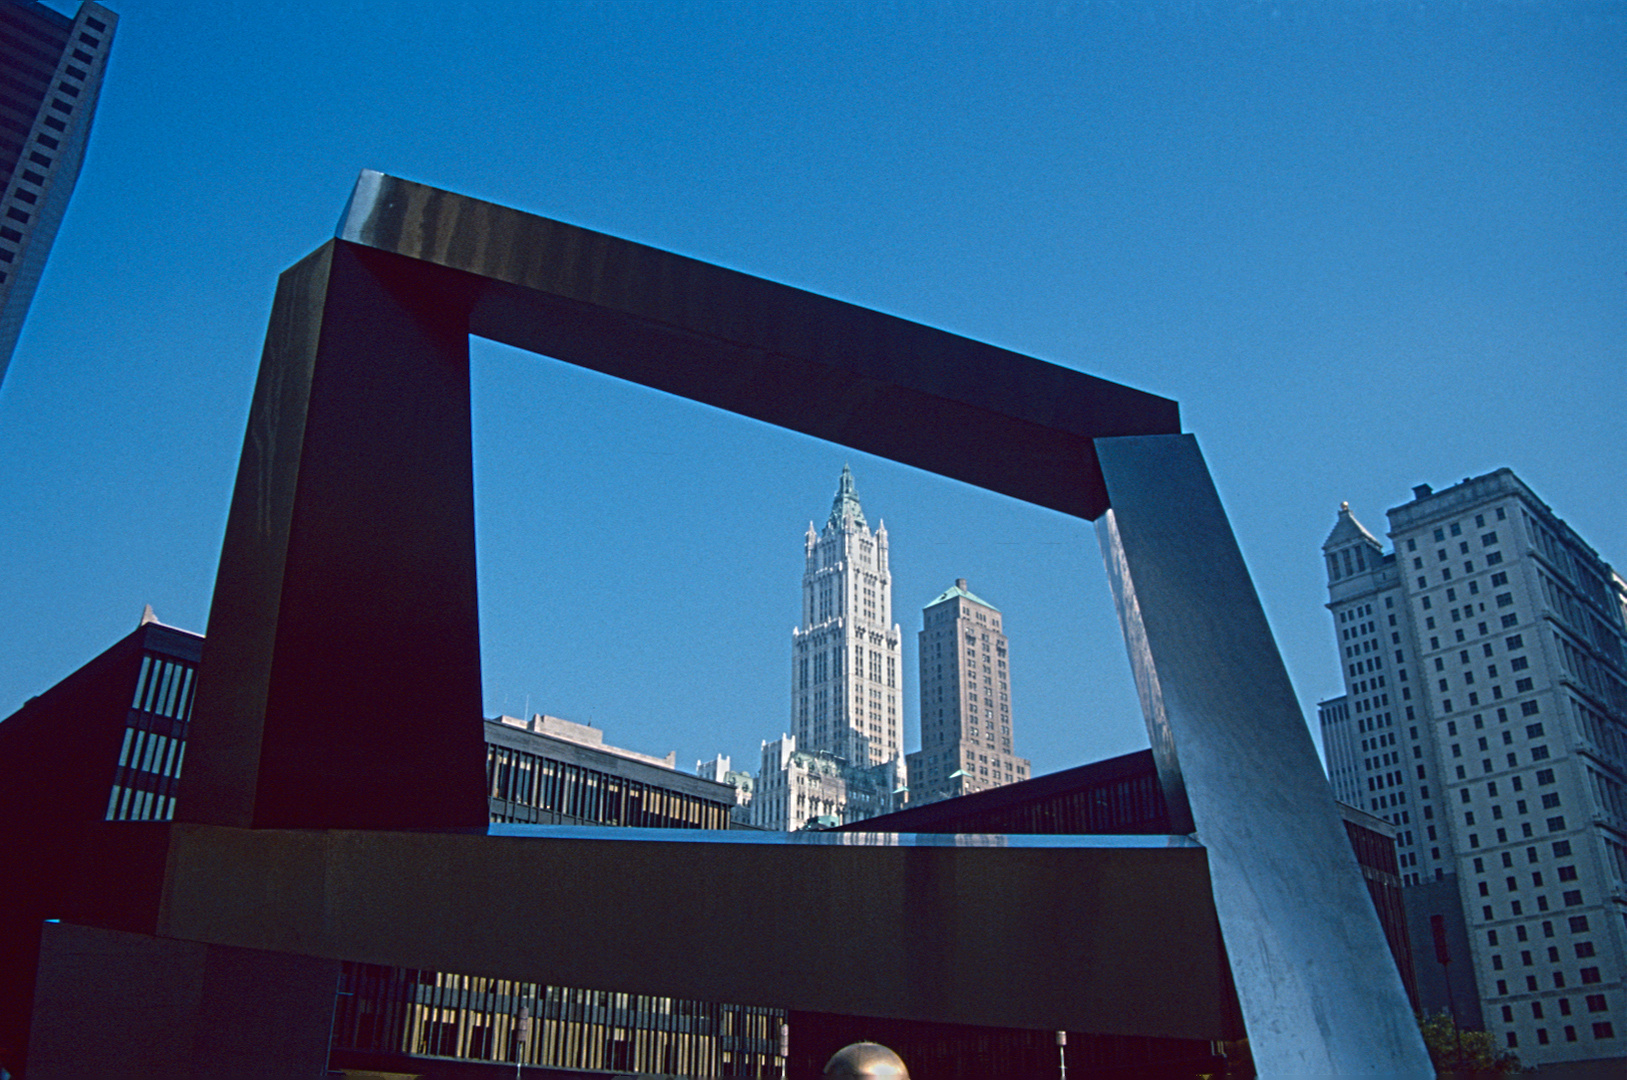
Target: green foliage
x=1479, y=1053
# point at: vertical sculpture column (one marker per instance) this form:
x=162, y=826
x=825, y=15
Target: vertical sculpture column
x=1318, y=989
x=340, y=682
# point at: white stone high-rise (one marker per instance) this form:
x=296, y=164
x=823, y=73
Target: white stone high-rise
x=1339, y=741
x=1485, y=670
x=843, y=760
x=845, y=662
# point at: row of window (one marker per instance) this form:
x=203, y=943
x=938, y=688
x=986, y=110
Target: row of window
x=10, y=237
x=403, y=1010
x=14, y=23
x=1577, y=924
x=1602, y=1029
x=1456, y=529
x=1351, y=561
x=1584, y=949
x=139, y=804
x=148, y=770
x=28, y=183
x=524, y=779
x=1582, y=570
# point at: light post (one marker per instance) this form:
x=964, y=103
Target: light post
x=1437, y=927
x=522, y=1038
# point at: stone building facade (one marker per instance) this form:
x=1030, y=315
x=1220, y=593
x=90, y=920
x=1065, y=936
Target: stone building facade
x=843, y=760
x=1485, y=668
x=966, y=728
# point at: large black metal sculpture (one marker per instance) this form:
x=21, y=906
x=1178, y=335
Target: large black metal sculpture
x=332, y=802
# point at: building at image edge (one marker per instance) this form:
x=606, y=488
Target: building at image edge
x=1485, y=715
x=53, y=66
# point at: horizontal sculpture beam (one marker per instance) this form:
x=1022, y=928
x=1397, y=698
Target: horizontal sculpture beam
x=1102, y=934
x=877, y=383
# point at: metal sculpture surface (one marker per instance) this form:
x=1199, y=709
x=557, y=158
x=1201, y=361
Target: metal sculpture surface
x=1301, y=934
x=340, y=686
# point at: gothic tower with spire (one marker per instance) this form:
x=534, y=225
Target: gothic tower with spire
x=844, y=761
x=846, y=665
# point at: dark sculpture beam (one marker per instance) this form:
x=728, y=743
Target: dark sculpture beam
x=340, y=685
x=917, y=395
x=918, y=928
x=344, y=617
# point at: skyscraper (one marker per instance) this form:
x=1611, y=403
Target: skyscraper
x=843, y=760
x=1339, y=751
x=1485, y=667
x=966, y=741
x=50, y=76
x=845, y=654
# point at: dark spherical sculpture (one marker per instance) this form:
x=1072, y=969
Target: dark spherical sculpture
x=866, y=1061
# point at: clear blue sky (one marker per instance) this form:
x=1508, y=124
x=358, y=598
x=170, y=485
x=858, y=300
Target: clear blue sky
x=1364, y=245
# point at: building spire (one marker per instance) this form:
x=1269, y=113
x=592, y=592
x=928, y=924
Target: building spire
x=846, y=503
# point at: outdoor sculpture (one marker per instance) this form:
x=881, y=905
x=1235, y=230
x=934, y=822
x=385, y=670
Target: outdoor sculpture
x=332, y=804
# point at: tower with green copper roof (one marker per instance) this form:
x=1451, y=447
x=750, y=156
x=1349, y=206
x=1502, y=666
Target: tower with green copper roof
x=965, y=671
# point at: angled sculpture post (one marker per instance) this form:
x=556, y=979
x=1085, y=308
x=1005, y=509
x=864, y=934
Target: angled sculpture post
x=1317, y=989
x=340, y=686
